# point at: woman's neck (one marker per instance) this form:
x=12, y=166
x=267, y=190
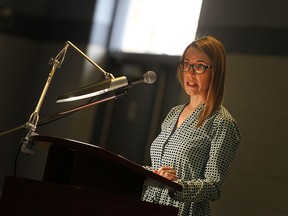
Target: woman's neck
x=188, y=110
x=195, y=102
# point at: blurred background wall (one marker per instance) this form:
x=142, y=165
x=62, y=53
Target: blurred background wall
x=255, y=36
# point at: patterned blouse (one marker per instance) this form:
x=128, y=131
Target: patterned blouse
x=201, y=157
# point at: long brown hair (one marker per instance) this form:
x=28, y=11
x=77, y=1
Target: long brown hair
x=215, y=50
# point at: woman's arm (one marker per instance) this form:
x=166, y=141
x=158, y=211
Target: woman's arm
x=224, y=143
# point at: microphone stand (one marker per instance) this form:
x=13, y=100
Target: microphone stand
x=34, y=117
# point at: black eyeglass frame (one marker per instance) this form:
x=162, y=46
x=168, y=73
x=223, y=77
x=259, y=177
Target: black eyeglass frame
x=181, y=64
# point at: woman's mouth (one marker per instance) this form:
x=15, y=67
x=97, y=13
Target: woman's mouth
x=191, y=84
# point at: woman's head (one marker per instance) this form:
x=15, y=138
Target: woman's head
x=215, y=51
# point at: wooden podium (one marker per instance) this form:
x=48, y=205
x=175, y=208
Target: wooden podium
x=83, y=179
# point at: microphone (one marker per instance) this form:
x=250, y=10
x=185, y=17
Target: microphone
x=107, y=85
x=149, y=77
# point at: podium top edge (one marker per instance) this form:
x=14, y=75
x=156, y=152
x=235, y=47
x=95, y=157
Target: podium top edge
x=108, y=155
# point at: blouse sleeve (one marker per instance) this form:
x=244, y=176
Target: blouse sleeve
x=224, y=143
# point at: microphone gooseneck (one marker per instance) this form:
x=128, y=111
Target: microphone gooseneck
x=108, y=85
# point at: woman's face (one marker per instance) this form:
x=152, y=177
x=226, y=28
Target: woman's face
x=197, y=84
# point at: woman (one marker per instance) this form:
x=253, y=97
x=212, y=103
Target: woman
x=198, y=140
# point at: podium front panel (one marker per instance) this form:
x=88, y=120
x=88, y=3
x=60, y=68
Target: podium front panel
x=71, y=167
x=23, y=196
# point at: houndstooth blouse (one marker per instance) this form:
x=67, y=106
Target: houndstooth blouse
x=201, y=157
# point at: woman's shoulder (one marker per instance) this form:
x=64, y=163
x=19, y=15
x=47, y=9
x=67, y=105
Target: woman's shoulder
x=174, y=111
x=223, y=113
x=177, y=108
x=226, y=122
x=223, y=116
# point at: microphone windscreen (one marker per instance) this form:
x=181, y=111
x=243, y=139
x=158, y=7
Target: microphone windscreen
x=149, y=77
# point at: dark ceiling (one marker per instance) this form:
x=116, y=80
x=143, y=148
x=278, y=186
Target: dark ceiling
x=251, y=27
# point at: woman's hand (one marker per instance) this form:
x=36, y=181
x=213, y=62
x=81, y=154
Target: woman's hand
x=167, y=172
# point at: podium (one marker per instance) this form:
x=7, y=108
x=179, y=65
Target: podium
x=84, y=179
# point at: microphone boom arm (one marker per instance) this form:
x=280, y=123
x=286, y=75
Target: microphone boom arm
x=106, y=74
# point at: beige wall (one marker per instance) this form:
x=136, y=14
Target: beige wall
x=256, y=95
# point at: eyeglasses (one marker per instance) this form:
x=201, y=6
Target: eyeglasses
x=197, y=68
